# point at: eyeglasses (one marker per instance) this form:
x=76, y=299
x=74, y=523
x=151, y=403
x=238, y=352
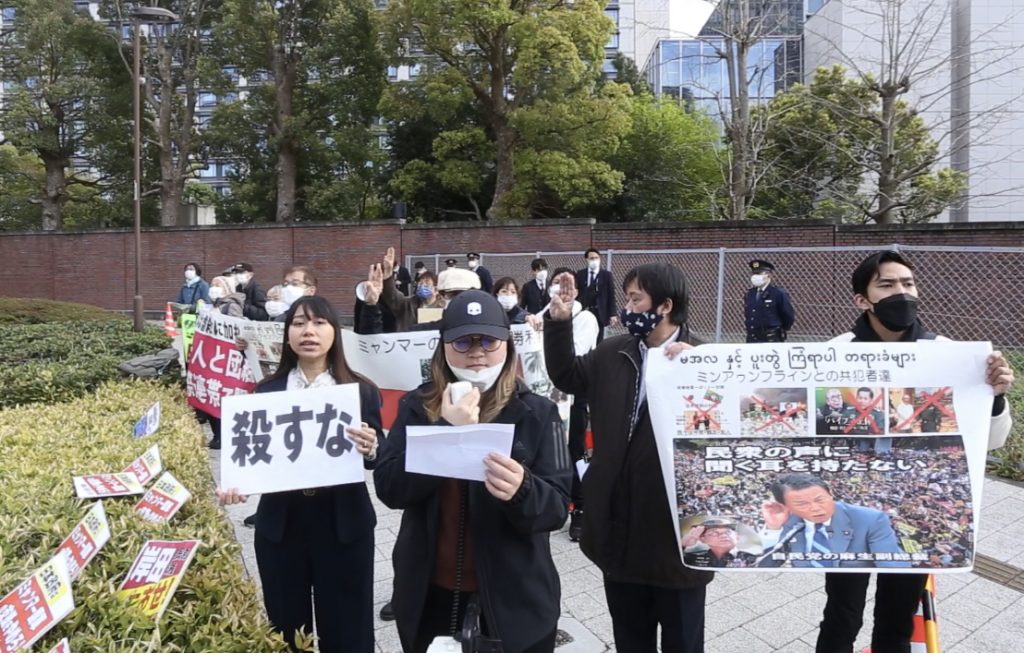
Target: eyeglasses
x=297, y=284
x=465, y=343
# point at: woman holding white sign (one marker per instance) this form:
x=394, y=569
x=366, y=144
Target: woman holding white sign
x=477, y=548
x=319, y=541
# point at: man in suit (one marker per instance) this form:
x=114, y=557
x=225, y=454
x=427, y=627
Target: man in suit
x=403, y=279
x=535, y=292
x=804, y=518
x=473, y=263
x=597, y=291
x=767, y=311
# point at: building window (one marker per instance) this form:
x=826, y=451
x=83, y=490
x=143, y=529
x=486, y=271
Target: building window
x=613, y=41
x=207, y=100
x=8, y=14
x=415, y=70
x=608, y=67
x=613, y=14
x=392, y=72
x=232, y=73
x=209, y=172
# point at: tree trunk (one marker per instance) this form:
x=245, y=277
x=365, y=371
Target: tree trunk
x=56, y=193
x=505, y=178
x=740, y=192
x=888, y=185
x=287, y=155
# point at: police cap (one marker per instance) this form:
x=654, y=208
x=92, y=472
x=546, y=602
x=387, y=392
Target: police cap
x=760, y=265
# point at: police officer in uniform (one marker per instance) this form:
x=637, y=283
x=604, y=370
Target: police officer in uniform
x=768, y=311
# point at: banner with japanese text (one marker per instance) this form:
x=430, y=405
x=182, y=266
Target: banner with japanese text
x=267, y=338
x=85, y=540
x=216, y=368
x=35, y=606
x=146, y=466
x=529, y=344
x=100, y=486
x=163, y=500
x=156, y=573
x=825, y=456
x=292, y=440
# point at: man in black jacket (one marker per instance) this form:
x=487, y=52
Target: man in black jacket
x=627, y=526
x=255, y=307
x=597, y=291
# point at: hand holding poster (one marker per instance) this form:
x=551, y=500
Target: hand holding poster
x=146, y=466
x=100, y=486
x=35, y=606
x=156, y=573
x=86, y=540
x=163, y=500
x=820, y=457
x=216, y=368
x=291, y=440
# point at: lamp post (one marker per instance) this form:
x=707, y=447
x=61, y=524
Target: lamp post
x=149, y=15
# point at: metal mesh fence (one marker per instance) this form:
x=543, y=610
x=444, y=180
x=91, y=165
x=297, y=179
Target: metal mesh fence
x=967, y=293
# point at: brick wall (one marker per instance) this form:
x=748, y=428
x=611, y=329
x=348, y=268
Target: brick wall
x=98, y=267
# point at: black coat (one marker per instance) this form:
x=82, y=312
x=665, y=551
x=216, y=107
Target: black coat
x=519, y=586
x=627, y=524
x=255, y=307
x=534, y=299
x=598, y=298
x=353, y=512
x=403, y=280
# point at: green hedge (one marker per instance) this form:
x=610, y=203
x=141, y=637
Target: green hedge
x=63, y=360
x=1010, y=459
x=16, y=310
x=215, y=609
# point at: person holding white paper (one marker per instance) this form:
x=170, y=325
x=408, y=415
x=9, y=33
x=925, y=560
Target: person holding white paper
x=470, y=543
x=319, y=541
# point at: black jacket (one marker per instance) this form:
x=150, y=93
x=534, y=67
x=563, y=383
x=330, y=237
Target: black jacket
x=534, y=299
x=598, y=298
x=353, y=512
x=255, y=307
x=627, y=524
x=519, y=585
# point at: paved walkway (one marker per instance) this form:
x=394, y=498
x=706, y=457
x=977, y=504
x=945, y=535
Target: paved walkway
x=757, y=612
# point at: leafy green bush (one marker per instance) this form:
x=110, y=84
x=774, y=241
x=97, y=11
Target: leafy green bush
x=62, y=360
x=16, y=310
x=215, y=609
x=1009, y=461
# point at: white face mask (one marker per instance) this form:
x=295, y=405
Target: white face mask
x=542, y=276
x=757, y=280
x=594, y=264
x=508, y=301
x=241, y=279
x=190, y=275
x=483, y=380
x=473, y=264
x=216, y=292
x=291, y=293
x=554, y=289
x=420, y=271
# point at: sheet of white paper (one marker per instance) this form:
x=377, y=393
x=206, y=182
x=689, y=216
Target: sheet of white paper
x=455, y=451
x=581, y=467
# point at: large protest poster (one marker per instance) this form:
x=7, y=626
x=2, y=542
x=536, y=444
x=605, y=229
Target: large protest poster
x=824, y=456
x=146, y=466
x=292, y=440
x=85, y=540
x=216, y=368
x=35, y=606
x=156, y=573
x=529, y=344
x=395, y=362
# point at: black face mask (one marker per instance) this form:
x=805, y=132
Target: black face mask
x=896, y=312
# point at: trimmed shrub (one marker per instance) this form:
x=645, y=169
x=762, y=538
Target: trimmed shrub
x=215, y=609
x=59, y=361
x=1009, y=461
x=17, y=310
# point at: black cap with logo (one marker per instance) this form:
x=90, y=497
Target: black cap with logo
x=474, y=313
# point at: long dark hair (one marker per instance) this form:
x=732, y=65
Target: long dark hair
x=315, y=306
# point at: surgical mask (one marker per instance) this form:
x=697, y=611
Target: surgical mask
x=757, y=280
x=420, y=271
x=542, y=276
x=554, y=289
x=896, y=312
x=216, y=292
x=483, y=380
x=473, y=265
x=190, y=275
x=594, y=264
x=291, y=293
x=508, y=302
x=423, y=291
x=640, y=324
x=241, y=279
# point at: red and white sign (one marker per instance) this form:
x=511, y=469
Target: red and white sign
x=156, y=573
x=98, y=486
x=35, y=606
x=86, y=540
x=216, y=368
x=61, y=647
x=146, y=466
x=163, y=500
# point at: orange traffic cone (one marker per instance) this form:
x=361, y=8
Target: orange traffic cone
x=170, y=328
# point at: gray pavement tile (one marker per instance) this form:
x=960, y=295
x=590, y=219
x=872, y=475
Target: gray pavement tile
x=725, y=616
x=997, y=515
x=601, y=626
x=779, y=627
x=965, y=611
x=1015, y=529
x=584, y=607
x=581, y=581
x=737, y=640
x=947, y=585
x=987, y=593
x=387, y=638
x=1000, y=546
x=950, y=634
x=798, y=646
x=994, y=490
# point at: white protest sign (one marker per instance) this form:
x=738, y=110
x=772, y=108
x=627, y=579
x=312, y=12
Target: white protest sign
x=146, y=466
x=149, y=422
x=455, y=451
x=85, y=540
x=35, y=606
x=887, y=440
x=163, y=500
x=99, y=486
x=529, y=344
x=276, y=441
x=393, y=361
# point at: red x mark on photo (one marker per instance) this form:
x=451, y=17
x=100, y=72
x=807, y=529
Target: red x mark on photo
x=933, y=399
x=704, y=414
x=864, y=415
x=776, y=416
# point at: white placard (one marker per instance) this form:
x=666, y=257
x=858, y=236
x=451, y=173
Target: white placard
x=393, y=361
x=276, y=441
x=455, y=451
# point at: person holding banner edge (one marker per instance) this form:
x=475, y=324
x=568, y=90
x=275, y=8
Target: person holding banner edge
x=627, y=524
x=885, y=289
x=319, y=540
x=464, y=544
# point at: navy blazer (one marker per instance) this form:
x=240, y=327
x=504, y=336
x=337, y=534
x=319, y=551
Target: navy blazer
x=599, y=299
x=353, y=512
